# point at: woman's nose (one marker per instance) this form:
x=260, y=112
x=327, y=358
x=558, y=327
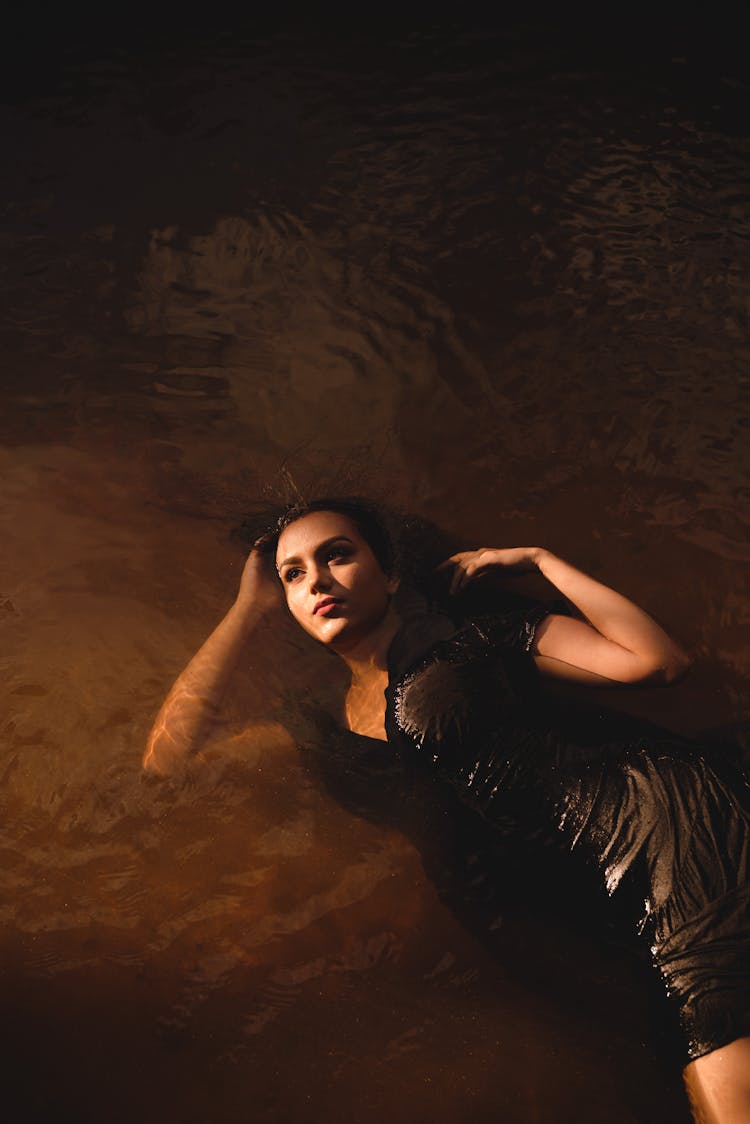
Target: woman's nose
x=319, y=579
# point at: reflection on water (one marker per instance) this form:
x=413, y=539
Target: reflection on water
x=468, y=272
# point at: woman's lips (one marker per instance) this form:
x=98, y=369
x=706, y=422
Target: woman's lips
x=326, y=608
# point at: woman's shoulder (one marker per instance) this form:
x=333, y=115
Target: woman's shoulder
x=448, y=672
x=428, y=635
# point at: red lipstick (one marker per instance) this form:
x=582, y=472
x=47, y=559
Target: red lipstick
x=323, y=607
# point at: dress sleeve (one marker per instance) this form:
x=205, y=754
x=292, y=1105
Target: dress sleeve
x=515, y=628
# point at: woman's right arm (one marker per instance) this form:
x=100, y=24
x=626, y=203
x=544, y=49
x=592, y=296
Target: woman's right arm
x=192, y=704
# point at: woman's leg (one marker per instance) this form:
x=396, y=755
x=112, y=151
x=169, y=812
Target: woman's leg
x=718, y=1085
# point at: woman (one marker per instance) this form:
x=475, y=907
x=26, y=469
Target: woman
x=459, y=702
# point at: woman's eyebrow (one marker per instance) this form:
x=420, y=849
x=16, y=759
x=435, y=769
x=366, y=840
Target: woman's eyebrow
x=321, y=546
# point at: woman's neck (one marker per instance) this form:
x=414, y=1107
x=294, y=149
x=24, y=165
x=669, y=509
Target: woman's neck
x=368, y=659
x=368, y=663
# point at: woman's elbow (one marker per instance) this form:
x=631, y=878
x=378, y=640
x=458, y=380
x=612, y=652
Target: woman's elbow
x=659, y=670
x=152, y=764
x=161, y=757
x=674, y=669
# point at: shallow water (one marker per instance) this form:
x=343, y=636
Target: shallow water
x=493, y=275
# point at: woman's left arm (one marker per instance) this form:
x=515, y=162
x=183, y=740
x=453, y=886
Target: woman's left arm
x=620, y=644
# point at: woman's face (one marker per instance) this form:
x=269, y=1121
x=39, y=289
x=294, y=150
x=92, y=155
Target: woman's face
x=334, y=586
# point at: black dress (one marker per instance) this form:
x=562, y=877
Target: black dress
x=649, y=808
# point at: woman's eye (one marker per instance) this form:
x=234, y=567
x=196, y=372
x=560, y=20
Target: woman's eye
x=331, y=555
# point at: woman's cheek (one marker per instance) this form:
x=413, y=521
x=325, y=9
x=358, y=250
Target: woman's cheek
x=292, y=603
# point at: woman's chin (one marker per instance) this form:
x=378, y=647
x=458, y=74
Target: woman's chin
x=341, y=639
x=341, y=631
x=332, y=631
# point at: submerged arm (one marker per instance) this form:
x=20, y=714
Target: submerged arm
x=185, y=718
x=620, y=643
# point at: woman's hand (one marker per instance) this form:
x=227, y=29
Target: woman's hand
x=471, y=564
x=260, y=589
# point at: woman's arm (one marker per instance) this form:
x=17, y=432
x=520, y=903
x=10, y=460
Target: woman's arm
x=186, y=715
x=620, y=644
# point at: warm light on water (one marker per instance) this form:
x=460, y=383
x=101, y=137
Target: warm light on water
x=471, y=272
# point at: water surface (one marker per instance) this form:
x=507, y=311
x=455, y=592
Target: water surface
x=492, y=275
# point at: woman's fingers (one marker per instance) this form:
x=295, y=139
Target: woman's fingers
x=460, y=578
x=452, y=565
x=476, y=567
x=264, y=543
x=456, y=565
x=469, y=565
x=456, y=578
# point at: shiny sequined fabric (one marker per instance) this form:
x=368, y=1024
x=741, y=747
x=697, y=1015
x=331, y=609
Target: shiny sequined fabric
x=664, y=814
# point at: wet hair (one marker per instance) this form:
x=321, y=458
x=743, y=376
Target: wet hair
x=405, y=546
x=369, y=521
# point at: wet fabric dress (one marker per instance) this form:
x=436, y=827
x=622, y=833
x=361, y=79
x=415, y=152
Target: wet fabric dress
x=645, y=806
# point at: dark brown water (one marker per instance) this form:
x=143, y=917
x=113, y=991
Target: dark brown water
x=496, y=275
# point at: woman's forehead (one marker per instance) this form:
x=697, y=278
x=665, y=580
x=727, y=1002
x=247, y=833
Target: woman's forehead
x=309, y=530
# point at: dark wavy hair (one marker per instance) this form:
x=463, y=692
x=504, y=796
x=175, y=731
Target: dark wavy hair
x=406, y=546
x=371, y=523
